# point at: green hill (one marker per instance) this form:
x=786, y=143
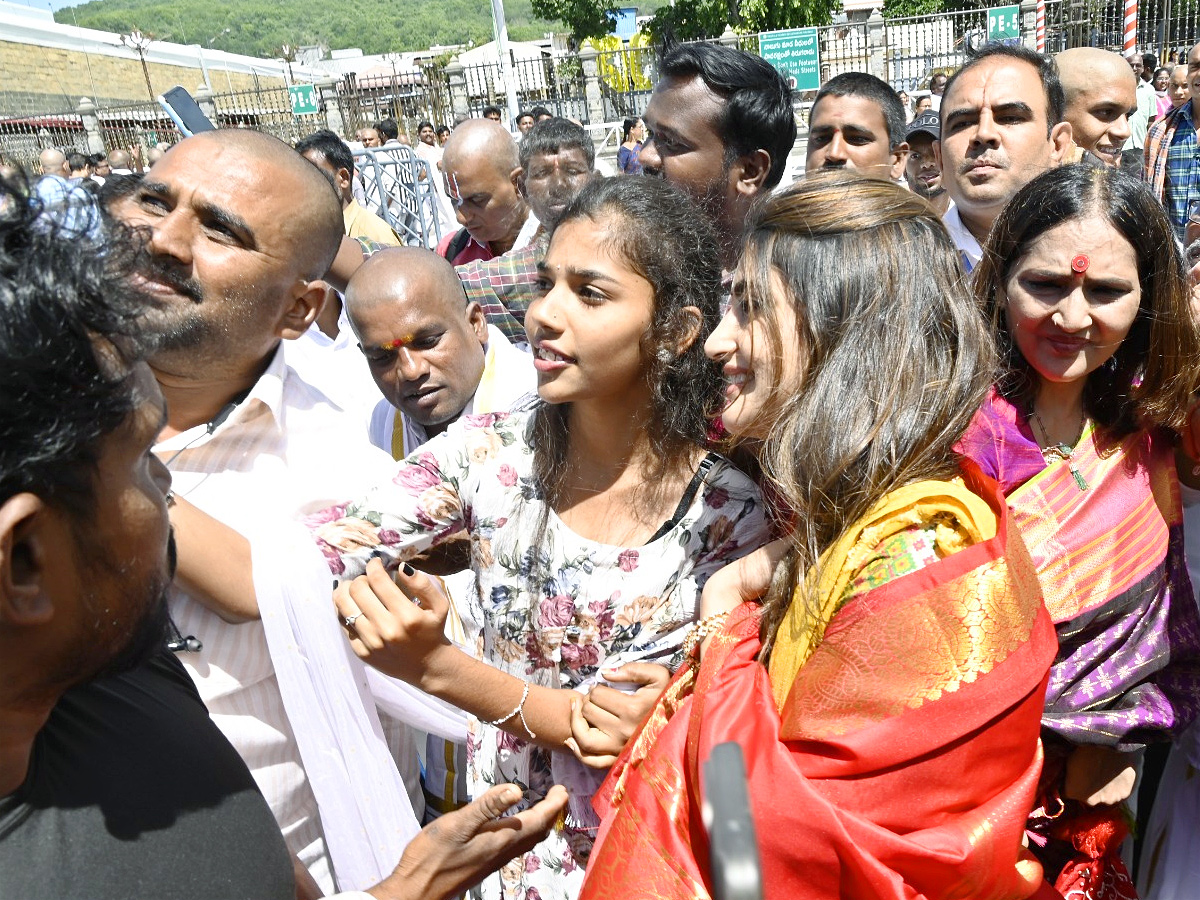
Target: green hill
x=261, y=27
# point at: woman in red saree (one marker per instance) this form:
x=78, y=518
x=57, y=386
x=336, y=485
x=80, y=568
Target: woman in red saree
x=887, y=694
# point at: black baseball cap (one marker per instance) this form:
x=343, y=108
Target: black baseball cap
x=928, y=122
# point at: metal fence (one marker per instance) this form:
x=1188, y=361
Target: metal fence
x=399, y=188
x=556, y=83
x=903, y=51
x=23, y=139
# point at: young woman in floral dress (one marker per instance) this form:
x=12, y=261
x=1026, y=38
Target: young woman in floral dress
x=594, y=519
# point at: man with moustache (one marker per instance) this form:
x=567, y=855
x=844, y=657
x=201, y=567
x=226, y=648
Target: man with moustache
x=1101, y=94
x=923, y=173
x=857, y=122
x=240, y=230
x=1002, y=125
x=1172, y=153
x=1178, y=91
x=114, y=782
x=480, y=166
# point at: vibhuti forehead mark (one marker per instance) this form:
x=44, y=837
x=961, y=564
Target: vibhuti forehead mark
x=457, y=197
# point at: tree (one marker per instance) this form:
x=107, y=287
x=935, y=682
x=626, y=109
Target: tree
x=585, y=18
x=689, y=20
x=696, y=19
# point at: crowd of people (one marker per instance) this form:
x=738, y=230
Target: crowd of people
x=331, y=566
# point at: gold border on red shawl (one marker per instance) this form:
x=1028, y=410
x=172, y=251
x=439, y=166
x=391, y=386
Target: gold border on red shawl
x=913, y=651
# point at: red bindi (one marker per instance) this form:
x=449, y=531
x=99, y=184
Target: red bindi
x=1080, y=264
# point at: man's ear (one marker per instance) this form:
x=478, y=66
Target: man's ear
x=1061, y=137
x=518, y=179
x=24, y=556
x=305, y=307
x=899, y=159
x=344, y=179
x=751, y=172
x=477, y=321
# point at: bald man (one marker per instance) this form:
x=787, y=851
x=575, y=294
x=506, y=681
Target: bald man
x=481, y=168
x=432, y=354
x=1101, y=95
x=241, y=229
x=435, y=359
x=53, y=162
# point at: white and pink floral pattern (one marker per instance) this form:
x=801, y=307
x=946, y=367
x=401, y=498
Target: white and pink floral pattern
x=552, y=614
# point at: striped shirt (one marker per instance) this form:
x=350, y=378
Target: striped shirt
x=284, y=450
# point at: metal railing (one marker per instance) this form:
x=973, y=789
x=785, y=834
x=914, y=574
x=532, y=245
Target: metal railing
x=903, y=51
x=399, y=188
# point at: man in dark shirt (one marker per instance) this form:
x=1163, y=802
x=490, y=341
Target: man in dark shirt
x=114, y=782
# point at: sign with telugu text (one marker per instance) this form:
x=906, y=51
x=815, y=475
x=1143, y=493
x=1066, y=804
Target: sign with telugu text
x=304, y=99
x=795, y=54
x=1004, y=24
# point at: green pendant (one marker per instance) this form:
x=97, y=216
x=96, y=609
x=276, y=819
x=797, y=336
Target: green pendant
x=1079, y=479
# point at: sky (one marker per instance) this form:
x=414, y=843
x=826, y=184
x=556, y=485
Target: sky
x=47, y=4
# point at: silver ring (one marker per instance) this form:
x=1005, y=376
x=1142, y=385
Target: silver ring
x=349, y=620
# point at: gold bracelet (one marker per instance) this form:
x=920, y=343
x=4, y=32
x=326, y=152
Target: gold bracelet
x=702, y=629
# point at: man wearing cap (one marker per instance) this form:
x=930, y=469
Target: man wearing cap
x=922, y=169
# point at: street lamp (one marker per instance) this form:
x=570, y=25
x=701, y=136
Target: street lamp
x=288, y=52
x=140, y=42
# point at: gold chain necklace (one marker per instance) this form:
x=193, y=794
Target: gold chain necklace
x=1053, y=452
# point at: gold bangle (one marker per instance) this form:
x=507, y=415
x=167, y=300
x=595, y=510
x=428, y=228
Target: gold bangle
x=702, y=629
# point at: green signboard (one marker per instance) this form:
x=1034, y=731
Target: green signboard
x=1004, y=24
x=304, y=99
x=795, y=54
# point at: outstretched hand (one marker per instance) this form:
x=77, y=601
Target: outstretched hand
x=603, y=722
x=397, y=626
x=460, y=848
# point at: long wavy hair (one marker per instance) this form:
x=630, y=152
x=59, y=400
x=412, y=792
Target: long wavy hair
x=663, y=237
x=896, y=358
x=1151, y=377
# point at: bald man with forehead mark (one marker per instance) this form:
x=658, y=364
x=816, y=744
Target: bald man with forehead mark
x=482, y=169
x=431, y=353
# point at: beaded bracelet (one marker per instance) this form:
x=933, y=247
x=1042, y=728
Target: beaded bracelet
x=702, y=629
x=519, y=710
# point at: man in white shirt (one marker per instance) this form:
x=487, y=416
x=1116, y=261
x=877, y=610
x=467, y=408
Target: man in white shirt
x=435, y=359
x=241, y=229
x=1002, y=126
x=1132, y=159
x=432, y=354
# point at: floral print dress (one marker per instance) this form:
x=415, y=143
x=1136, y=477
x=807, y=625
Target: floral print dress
x=552, y=614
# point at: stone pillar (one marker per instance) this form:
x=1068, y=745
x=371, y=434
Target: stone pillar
x=459, y=100
x=86, y=110
x=328, y=95
x=728, y=37
x=591, y=85
x=1028, y=19
x=877, y=46
x=207, y=104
